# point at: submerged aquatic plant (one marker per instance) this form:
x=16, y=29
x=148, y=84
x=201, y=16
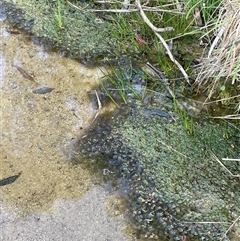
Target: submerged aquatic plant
x=177, y=188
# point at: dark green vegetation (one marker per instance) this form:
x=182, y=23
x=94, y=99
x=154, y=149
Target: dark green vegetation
x=78, y=34
x=74, y=27
x=76, y=30
x=85, y=31
x=176, y=186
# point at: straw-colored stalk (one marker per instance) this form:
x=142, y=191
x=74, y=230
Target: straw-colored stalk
x=222, y=65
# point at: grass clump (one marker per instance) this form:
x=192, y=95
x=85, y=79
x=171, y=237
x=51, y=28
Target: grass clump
x=220, y=71
x=187, y=120
x=124, y=81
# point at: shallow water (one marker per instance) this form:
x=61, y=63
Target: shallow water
x=82, y=219
x=37, y=129
x=38, y=133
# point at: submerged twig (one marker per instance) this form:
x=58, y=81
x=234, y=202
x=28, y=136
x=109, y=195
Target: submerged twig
x=173, y=149
x=125, y=10
x=231, y=226
x=148, y=22
x=162, y=78
x=24, y=73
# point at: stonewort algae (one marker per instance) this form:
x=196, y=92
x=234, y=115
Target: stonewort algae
x=177, y=189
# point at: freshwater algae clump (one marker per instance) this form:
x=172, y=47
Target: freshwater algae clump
x=77, y=34
x=176, y=187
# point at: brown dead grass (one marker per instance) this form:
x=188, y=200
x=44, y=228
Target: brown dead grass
x=222, y=65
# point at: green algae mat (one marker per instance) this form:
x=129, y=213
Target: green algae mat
x=76, y=32
x=180, y=188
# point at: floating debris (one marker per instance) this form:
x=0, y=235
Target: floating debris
x=43, y=90
x=9, y=180
x=14, y=32
x=25, y=74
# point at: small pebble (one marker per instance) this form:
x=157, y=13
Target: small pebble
x=43, y=90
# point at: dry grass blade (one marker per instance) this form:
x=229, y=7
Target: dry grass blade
x=229, y=117
x=99, y=107
x=231, y=159
x=207, y=222
x=173, y=149
x=216, y=40
x=216, y=159
x=215, y=101
x=231, y=226
x=223, y=61
x=98, y=100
